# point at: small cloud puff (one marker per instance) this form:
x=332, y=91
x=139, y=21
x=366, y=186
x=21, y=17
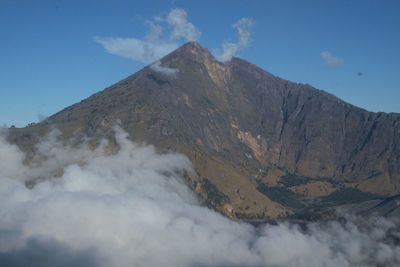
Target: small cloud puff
x=331, y=60
x=170, y=72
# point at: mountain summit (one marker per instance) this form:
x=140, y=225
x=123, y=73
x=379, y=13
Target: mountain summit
x=261, y=146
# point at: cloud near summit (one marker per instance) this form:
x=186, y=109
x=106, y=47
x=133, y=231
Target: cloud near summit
x=181, y=28
x=165, y=35
x=152, y=47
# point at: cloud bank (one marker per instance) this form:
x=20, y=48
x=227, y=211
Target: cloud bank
x=132, y=208
x=243, y=27
x=331, y=60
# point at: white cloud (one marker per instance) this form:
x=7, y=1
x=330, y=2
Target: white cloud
x=170, y=72
x=177, y=19
x=243, y=27
x=139, y=50
x=157, y=18
x=155, y=32
x=41, y=117
x=152, y=47
x=11, y=159
x=331, y=60
x=132, y=208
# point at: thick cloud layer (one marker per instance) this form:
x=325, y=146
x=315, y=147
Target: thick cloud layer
x=133, y=209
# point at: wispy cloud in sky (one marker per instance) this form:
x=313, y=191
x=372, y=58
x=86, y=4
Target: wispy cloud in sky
x=152, y=47
x=331, y=60
x=176, y=26
x=154, y=33
x=243, y=27
x=182, y=28
x=140, y=50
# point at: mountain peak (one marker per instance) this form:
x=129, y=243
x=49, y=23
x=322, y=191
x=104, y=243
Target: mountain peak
x=192, y=50
x=194, y=44
x=194, y=47
x=261, y=146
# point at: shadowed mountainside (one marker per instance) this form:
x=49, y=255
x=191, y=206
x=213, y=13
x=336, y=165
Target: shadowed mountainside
x=261, y=146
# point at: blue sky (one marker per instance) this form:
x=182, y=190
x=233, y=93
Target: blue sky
x=54, y=53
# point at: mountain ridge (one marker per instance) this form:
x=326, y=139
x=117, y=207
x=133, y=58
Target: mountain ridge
x=257, y=141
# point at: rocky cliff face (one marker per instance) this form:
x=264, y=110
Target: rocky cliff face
x=261, y=146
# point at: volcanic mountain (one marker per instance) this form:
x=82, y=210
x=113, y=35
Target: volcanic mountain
x=261, y=146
